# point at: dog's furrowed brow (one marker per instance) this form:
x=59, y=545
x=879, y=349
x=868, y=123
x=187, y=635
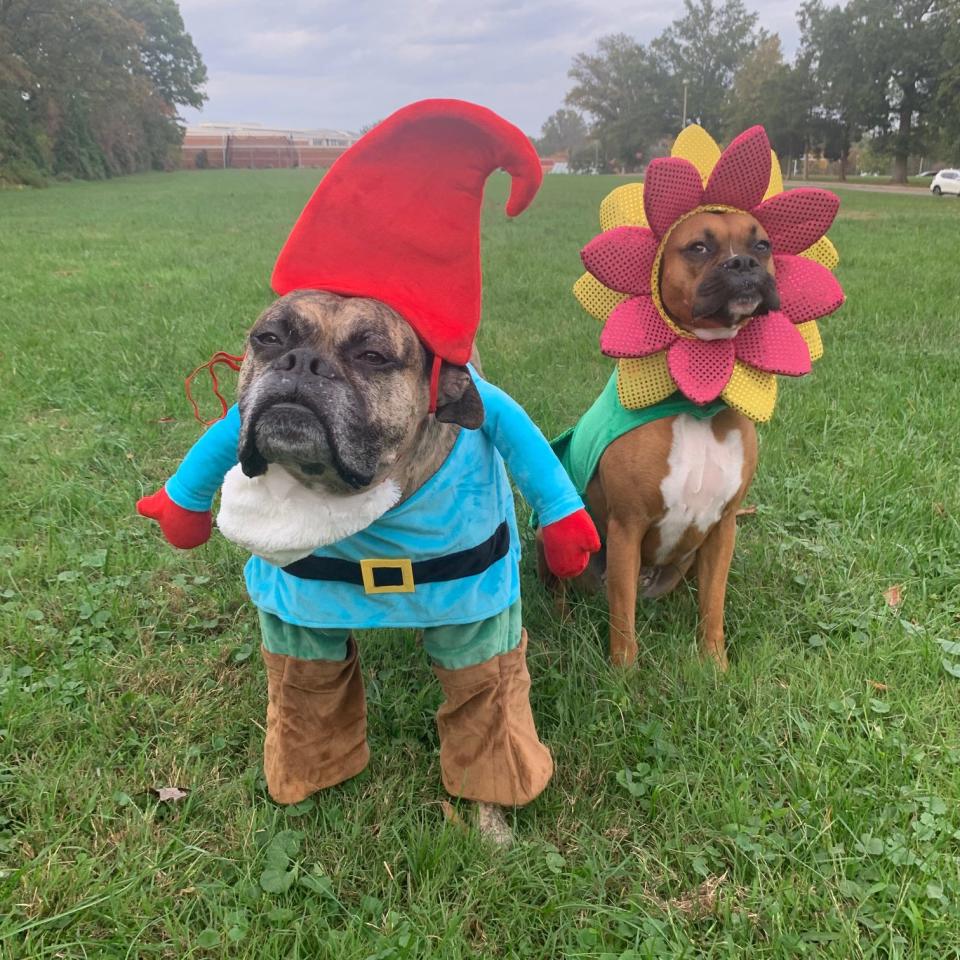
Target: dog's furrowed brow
x=369, y=338
x=281, y=314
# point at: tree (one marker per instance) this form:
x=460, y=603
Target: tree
x=705, y=47
x=167, y=55
x=851, y=94
x=564, y=131
x=622, y=88
x=768, y=91
x=947, y=100
x=94, y=86
x=880, y=65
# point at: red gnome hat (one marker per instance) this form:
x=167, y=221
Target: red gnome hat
x=397, y=218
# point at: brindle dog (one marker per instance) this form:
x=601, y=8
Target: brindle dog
x=336, y=391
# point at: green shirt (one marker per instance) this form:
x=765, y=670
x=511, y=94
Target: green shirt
x=579, y=449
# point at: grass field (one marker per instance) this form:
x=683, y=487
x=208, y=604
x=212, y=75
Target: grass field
x=809, y=798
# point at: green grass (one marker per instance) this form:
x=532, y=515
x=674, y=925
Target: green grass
x=824, y=804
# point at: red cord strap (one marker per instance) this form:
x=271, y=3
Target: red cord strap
x=434, y=383
x=233, y=362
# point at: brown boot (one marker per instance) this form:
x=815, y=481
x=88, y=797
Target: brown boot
x=489, y=748
x=316, y=724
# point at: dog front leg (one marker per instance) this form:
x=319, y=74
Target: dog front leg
x=713, y=567
x=623, y=573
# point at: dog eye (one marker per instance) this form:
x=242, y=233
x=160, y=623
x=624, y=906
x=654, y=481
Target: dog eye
x=373, y=358
x=762, y=246
x=267, y=339
x=698, y=247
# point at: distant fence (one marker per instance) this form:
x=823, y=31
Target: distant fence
x=212, y=152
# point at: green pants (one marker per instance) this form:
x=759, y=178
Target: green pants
x=452, y=647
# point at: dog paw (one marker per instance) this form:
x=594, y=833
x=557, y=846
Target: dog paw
x=493, y=826
x=716, y=659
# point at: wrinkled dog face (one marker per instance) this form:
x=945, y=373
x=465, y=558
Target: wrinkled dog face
x=335, y=389
x=718, y=272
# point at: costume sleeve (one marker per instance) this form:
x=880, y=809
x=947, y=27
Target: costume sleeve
x=529, y=458
x=202, y=470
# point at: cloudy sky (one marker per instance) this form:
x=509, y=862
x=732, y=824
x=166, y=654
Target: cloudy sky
x=332, y=63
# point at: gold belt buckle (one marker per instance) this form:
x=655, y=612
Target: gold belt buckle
x=404, y=565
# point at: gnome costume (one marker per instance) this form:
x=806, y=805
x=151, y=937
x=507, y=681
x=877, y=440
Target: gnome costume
x=397, y=219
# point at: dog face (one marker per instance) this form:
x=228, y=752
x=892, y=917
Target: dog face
x=717, y=272
x=336, y=390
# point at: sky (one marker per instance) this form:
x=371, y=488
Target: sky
x=331, y=63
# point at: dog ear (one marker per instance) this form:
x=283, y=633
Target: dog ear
x=458, y=400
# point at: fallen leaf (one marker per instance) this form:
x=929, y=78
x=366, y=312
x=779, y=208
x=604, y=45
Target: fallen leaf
x=747, y=511
x=169, y=794
x=877, y=685
x=697, y=902
x=893, y=596
x=951, y=667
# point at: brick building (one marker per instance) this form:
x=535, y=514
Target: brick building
x=250, y=146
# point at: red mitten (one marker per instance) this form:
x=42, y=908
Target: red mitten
x=568, y=543
x=182, y=528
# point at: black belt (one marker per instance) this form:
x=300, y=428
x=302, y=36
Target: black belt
x=402, y=575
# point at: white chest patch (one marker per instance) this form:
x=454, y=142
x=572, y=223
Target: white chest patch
x=704, y=476
x=276, y=517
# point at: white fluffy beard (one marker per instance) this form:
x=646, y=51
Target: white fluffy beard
x=276, y=517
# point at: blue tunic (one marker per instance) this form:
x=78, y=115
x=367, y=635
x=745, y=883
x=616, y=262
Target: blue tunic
x=458, y=508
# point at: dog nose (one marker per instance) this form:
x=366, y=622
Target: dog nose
x=741, y=263
x=303, y=362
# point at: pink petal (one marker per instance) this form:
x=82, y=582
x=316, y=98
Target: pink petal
x=796, y=219
x=772, y=343
x=742, y=173
x=808, y=290
x=635, y=329
x=671, y=188
x=622, y=258
x=701, y=368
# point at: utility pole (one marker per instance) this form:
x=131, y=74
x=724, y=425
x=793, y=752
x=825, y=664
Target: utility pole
x=683, y=123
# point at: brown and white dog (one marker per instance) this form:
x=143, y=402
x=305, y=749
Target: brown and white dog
x=665, y=495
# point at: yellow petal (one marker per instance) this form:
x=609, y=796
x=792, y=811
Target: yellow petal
x=776, y=179
x=696, y=145
x=644, y=381
x=823, y=251
x=595, y=298
x=811, y=333
x=753, y=392
x=623, y=208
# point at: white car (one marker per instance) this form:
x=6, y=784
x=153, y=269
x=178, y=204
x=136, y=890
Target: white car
x=946, y=181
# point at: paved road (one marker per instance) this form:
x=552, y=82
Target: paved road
x=862, y=187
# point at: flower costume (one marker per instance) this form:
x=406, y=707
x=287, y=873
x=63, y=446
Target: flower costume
x=621, y=287
x=664, y=370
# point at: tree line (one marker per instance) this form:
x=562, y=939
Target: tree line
x=90, y=88
x=881, y=73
